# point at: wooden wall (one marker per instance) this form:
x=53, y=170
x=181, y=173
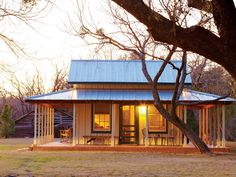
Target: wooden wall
x=84, y=121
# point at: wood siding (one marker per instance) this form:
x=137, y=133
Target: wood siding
x=84, y=121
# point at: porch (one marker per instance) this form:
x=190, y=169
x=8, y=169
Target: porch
x=128, y=124
x=57, y=146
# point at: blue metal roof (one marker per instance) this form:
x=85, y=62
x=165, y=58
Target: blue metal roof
x=123, y=95
x=120, y=71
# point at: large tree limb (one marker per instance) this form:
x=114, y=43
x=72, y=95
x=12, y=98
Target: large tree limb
x=201, y=5
x=196, y=39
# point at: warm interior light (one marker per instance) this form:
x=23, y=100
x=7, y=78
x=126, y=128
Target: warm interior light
x=142, y=109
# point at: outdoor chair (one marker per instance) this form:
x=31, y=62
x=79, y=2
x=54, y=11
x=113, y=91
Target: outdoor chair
x=144, y=136
x=66, y=135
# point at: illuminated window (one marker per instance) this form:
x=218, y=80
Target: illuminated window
x=156, y=122
x=101, y=117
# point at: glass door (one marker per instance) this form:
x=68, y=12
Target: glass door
x=128, y=125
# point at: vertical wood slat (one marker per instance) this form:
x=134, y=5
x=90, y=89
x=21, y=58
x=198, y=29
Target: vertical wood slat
x=223, y=125
x=35, y=124
x=200, y=123
x=52, y=124
x=77, y=124
x=147, y=122
x=113, y=125
x=39, y=123
x=214, y=126
x=48, y=118
x=207, y=125
x=203, y=125
x=185, y=121
x=74, y=126
x=218, y=126
x=210, y=126
x=44, y=126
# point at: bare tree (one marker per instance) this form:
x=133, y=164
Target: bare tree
x=29, y=86
x=60, y=79
x=23, y=11
x=132, y=37
x=219, y=47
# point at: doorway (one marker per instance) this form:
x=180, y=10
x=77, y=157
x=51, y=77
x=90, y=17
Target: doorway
x=128, y=125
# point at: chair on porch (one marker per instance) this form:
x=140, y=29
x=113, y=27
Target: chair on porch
x=144, y=136
x=66, y=135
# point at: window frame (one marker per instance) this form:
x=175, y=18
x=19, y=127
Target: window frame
x=158, y=132
x=92, y=120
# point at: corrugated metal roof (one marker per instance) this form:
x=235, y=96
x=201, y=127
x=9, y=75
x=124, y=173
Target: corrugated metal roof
x=120, y=71
x=123, y=95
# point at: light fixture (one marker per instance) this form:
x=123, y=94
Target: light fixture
x=142, y=109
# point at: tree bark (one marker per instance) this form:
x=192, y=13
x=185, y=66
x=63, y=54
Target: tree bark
x=196, y=39
x=187, y=131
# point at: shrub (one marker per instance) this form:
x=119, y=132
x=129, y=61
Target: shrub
x=7, y=124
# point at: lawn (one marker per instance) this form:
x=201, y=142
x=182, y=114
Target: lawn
x=17, y=161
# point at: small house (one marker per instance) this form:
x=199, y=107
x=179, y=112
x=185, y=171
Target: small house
x=112, y=106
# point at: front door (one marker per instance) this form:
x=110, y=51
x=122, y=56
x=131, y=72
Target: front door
x=128, y=125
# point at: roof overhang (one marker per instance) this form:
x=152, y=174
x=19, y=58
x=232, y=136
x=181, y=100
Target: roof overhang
x=125, y=96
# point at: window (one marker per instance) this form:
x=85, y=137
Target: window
x=101, y=117
x=156, y=122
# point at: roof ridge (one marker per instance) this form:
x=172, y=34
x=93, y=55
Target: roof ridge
x=119, y=60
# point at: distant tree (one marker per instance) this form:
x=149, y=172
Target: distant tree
x=212, y=78
x=7, y=124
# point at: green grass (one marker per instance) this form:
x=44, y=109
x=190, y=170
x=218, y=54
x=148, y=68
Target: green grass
x=25, y=163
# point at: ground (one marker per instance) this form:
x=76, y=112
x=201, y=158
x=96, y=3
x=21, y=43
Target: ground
x=15, y=160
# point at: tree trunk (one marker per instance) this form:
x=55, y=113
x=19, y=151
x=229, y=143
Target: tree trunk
x=187, y=131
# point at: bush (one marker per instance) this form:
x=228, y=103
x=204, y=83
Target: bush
x=7, y=124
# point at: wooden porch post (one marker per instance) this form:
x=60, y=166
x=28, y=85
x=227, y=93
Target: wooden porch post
x=39, y=122
x=42, y=123
x=218, y=126
x=223, y=126
x=185, y=121
x=200, y=123
x=45, y=124
x=113, y=125
x=203, y=125
x=207, y=126
x=210, y=126
x=74, y=125
x=214, y=126
x=35, y=124
x=146, y=138
x=52, y=114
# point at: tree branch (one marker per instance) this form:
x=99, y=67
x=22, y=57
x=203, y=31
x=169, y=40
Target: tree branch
x=201, y=5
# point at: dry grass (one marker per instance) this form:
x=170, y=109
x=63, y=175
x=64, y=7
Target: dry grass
x=26, y=163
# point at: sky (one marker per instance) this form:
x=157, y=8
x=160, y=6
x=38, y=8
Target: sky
x=46, y=41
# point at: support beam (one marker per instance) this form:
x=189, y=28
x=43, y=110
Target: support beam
x=113, y=125
x=35, y=123
x=185, y=121
x=214, y=126
x=218, y=126
x=74, y=125
x=52, y=124
x=223, y=126
x=210, y=127
x=207, y=126
x=45, y=124
x=203, y=125
x=147, y=123
x=200, y=123
x=39, y=123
